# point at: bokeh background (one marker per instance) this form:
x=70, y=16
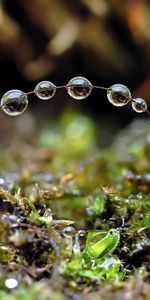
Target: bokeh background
x=107, y=41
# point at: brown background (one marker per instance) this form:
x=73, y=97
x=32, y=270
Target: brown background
x=106, y=41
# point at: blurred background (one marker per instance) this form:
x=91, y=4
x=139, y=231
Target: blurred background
x=106, y=41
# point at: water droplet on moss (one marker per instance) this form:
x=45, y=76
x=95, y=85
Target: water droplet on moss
x=68, y=232
x=11, y=283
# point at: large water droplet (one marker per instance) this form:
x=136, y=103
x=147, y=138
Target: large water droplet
x=79, y=88
x=118, y=95
x=45, y=90
x=14, y=102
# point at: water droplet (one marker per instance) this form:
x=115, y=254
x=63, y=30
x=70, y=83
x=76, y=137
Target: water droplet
x=81, y=232
x=14, y=102
x=139, y=105
x=108, y=262
x=68, y=232
x=76, y=246
x=45, y=90
x=79, y=88
x=118, y=95
x=89, y=211
x=11, y=283
x=2, y=181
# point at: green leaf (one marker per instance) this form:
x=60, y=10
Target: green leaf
x=146, y=221
x=98, y=205
x=73, y=268
x=101, y=244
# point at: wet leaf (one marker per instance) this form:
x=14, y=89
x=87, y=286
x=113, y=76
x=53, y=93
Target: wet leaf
x=100, y=244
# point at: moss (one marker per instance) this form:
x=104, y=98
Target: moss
x=66, y=181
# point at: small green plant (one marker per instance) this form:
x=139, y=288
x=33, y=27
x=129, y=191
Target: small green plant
x=96, y=260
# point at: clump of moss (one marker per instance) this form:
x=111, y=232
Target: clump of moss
x=66, y=180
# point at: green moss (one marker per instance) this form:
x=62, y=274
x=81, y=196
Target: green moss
x=66, y=179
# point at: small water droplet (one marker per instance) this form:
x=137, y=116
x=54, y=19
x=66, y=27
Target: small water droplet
x=11, y=283
x=81, y=232
x=68, y=232
x=89, y=211
x=139, y=105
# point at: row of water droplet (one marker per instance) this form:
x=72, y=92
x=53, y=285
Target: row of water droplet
x=15, y=102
